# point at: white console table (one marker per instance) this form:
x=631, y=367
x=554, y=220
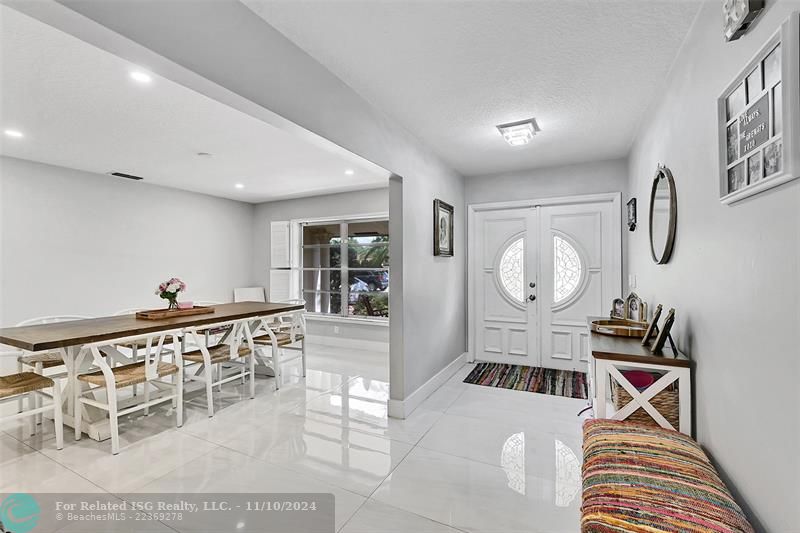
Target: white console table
x=610, y=355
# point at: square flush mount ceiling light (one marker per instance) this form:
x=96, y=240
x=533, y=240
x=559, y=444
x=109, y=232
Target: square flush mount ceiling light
x=519, y=133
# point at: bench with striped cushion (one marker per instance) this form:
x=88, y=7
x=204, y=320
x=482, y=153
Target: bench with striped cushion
x=643, y=478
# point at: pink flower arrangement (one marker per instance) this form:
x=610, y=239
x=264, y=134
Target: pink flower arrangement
x=169, y=290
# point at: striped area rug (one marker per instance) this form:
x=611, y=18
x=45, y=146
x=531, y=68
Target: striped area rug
x=530, y=378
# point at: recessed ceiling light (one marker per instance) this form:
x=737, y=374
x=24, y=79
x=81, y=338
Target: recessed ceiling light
x=141, y=77
x=519, y=133
x=349, y=172
x=239, y=185
x=13, y=133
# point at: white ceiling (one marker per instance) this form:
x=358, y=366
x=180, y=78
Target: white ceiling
x=78, y=108
x=450, y=71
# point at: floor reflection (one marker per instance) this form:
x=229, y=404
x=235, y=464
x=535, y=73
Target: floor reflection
x=512, y=458
x=568, y=474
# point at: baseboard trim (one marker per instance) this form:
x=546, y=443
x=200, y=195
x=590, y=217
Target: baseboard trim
x=345, y=342
x=403, y=408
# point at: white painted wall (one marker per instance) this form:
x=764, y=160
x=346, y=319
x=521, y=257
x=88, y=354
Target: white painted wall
x=734, y=278
x=332, y=205
x=229, y=45
x=74, y=242
x=584, y=178
x=568, y=180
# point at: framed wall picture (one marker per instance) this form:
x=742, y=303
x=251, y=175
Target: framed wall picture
x=634, y=308
x=442, y=228
x=661, y=339
x=652, y=328
x=631, y=214
x=759, y=119
x=618, y=308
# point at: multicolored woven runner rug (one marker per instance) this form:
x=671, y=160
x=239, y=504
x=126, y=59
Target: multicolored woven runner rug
x=530, y=378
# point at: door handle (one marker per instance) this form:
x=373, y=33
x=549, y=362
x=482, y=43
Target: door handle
x=532, y=285
x=531, y=297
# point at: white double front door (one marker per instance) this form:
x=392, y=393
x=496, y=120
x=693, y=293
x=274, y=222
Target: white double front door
x=537, y=272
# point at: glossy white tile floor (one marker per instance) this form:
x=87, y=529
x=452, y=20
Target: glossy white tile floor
x=471, y=458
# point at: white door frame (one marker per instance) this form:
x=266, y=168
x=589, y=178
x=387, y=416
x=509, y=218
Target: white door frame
x=615, y=198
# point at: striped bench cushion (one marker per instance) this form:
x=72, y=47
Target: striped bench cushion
x=643, y=478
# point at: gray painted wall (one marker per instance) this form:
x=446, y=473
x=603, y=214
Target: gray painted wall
x=332, y=205
x=733, y=278
x=75, y=242
x=226, y=43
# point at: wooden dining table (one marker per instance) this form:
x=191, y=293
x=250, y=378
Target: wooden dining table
x=67, y=339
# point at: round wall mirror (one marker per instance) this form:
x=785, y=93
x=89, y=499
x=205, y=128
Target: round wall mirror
x=663, y=215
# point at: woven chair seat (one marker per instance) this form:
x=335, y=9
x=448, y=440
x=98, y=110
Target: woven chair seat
x=214, y=331
x=21, y=383
x=283, y=338
x=47, y=359
x=220, y=353
x=127, y=375
x=142, y=344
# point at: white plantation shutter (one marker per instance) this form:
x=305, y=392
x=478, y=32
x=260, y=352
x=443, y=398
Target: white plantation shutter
x=281, y=275
x=280, y=249
x=280, y=282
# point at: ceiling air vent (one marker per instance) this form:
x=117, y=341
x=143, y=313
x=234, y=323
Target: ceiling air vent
x=126, y=176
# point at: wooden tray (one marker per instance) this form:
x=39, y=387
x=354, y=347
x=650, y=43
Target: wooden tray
x=619, y=328
x=160, y=314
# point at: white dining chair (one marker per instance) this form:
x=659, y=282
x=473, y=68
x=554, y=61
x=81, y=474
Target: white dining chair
x=39, y=362
x=139, y=344
x=30, y=385
x=249, y=294
x=234, y=349
x=286, y=331
x=150, y=372
x=284, y=321
x=136, y=346
x=206, y=303
x=210, y=335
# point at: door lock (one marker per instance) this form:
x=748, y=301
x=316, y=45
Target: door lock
x=531, y=297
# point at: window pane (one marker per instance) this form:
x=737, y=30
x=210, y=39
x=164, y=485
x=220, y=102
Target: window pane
x=322, y=280
x=325, y=234
x=512, y=270
x=368, y=244
x=567, y=269
x=322, y=256
x=369, y=304
x=367, y=232
x=368, y=255
x=323, y=302
x=367, y=260
x=368, y=280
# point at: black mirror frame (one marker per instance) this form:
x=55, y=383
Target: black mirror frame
x=661, y=173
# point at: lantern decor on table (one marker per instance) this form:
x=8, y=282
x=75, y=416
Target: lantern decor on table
x=169, y=290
